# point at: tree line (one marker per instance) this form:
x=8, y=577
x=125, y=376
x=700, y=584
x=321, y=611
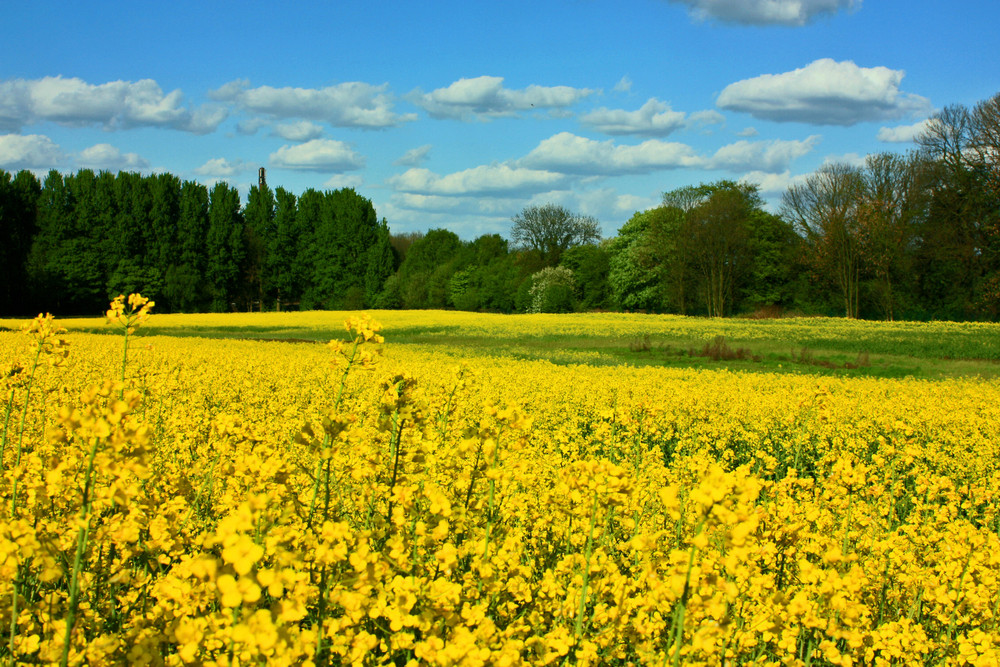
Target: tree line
x=914, y=236
x=72, y=242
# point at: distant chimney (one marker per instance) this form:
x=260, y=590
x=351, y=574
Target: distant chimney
x=261, y=180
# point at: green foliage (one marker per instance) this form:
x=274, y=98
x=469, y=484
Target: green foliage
x=646, y=271
x=590, y=265
x=225, y=246
x=462, y=291
x=914, y=236
x=427, y=270
x=552, y=290
x=18, y=225
x=549, y=230
x=773, y=247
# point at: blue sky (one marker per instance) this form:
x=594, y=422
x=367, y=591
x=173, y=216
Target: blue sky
x=460, y=114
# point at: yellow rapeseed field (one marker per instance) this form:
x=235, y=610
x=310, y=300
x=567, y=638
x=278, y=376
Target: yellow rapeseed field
x=196, y=501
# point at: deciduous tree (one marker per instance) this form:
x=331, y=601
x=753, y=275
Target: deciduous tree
x=824, y=209
x=550, y=229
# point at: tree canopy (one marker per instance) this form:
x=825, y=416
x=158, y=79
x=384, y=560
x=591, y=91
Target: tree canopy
x=551, y=229
x=913, y=235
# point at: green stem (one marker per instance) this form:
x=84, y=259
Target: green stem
x=490, y=510
x=578, y=627
x=6, y=423
x=396, y=450
x=81, y=546
x=316, y=481
x=321, y=616
x=27, y=401
x=959, y=597
x=13, y=612
x=326, y=488
x=24, y=417
x=343, y=377
x=121, y=395
x=679, y=624
x=445, y=414
x=847, y=522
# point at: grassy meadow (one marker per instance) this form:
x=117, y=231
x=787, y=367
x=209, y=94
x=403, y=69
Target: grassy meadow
x=406, y=488
x=791, y=345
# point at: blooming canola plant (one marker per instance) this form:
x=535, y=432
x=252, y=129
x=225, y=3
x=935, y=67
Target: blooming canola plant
x=223, y=502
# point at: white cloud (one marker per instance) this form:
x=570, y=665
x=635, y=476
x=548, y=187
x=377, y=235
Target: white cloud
x=624, y=85
x=249, y=126
x=302, y=130
x=114, y=105
x=205, y=119
x=338, y=181
x=852, y=159
x=652, y=119
x=352, y=104
x=468, y=217
x=766, y=156
x=773, y=184
x=426, y=202
x=748, y=132
x=571, y=154
x=221, y=168
x=824, y=92
x=318, y=155
x=707, y=117
x=486, y=97
x=414, y=156
x=497, y=180
x=106, y=156
x=902, y=134
x=32, y=151
x=604, y=203
x=766, y=12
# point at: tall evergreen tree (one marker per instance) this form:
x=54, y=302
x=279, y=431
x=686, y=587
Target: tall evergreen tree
x=380, y=260
x=161, y=234
x=184, y=286
x=18, y=225
x=285, y=266
x=225, y=246
x=260, y=238
x=345, y=232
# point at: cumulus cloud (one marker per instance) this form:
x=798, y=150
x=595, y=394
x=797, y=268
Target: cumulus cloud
x=766, y=156
x=748, y=132
x=106, y=156
x=624, y=85
x=652, y=119
x=902, y=134
x=32, y=151
x=571, y=154
x=420, y=202
x=486, y=97
x=414, y=156
x=351, y=104
x=318, y=155
x=221, y=168
x=497, y=180
x=302, y=130
x=707, y=117
x=249, y=126
x=338, y=181
x=852, y=159
x=766, y=12
x=825, y=92
x=601, y=202
x=773, y=184
x=114, y=105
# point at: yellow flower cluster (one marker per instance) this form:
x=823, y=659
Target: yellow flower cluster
x=238, y=502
